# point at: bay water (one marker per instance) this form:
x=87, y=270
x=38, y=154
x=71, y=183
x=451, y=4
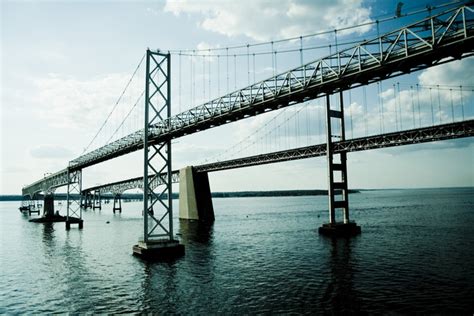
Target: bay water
x=262, y=255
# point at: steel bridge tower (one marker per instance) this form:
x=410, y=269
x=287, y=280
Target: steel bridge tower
x=158, y=238
x=338, y=192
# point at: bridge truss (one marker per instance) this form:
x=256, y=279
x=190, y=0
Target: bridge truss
x=432, y=41
x=429, y=42
x=408, y=137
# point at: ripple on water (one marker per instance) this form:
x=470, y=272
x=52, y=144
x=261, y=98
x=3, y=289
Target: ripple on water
x=262, y=255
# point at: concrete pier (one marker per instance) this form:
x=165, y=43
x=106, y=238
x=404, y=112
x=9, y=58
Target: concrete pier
x=48, y=205
x=117, y=203
x=97, y=203
x=49, y=216
x=340, y=229
x=195, y=202
x=158, y=249
x=34, y=208
x=74, y=220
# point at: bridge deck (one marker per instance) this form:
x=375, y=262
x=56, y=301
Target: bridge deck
x=417, y=46
x=414, y=136
x=429, y=42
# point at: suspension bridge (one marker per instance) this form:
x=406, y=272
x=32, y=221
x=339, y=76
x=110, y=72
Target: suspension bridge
x=317, y=87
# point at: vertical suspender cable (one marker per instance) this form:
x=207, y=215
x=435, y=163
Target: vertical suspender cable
x=395, y=106
x=179, y=83
x=412, y=105
x=235, y=72
x=203, y=78
x=439, y=104
x=218, y=76
x=399, y=106
x=419, y=107
x=452, y=105
x=254, y=68
x=273, y=62
x=227, y=63
x=301, y=50
x=431, y=103
x=193, y=75
x=462, y=103
x=381, y=107
x=350, y=112
x=364, y=92
x=378, y=103
x=209, y=73
x=248, y=65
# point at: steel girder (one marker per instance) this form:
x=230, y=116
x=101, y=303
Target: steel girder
x=420, y=45
x=415, y=136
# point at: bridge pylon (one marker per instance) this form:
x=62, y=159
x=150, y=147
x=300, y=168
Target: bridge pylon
x=97, y=204
x=338, y=193
x=158, y=240
x=73, y=199
x=117, y=203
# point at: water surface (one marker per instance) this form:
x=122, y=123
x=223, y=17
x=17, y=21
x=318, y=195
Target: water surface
x=415, y=255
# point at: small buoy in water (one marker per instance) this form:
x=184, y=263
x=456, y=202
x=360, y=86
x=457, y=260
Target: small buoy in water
x=107, y=222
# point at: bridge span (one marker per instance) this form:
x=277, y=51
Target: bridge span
x=440, y=38
x=92, y=195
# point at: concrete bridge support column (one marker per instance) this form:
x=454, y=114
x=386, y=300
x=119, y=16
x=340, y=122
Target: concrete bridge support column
x=83, y=200
x=97, y=200
x=117, y=203
x=338, y=192
x=34, y=208
x=48, y=205
x=88, y=200
x=195, y=202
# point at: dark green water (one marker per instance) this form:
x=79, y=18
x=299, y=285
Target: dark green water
x=262, y=255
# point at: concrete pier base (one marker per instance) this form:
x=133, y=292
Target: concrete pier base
x=340, y=229
x=117, y=203
x=49, y=216
x=51, y=219
x=48, y=206
x=195, y=201
x=158, y=249
x=74, y=220
x=33, y=210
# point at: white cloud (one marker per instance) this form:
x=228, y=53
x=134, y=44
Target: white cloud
x=67, y=103
x=264, y=20
x=51, y=152
x=452, y=73
x=71, y=102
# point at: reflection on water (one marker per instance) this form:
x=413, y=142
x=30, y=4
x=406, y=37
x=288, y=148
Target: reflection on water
x=196, y=232
x=48, y=234
x=340, y=296
x=261, y=255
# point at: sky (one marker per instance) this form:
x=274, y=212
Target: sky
x=64, y=65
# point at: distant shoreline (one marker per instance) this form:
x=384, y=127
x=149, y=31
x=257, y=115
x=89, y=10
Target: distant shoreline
x=236, y=194
x=138, y=196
